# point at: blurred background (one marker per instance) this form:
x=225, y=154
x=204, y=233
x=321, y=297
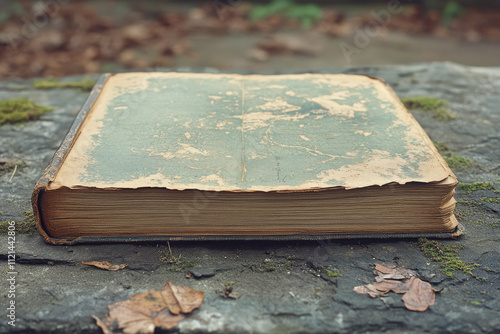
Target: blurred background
x=53, y=38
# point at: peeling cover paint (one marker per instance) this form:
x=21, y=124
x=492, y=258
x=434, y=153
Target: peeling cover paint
x=248, y=133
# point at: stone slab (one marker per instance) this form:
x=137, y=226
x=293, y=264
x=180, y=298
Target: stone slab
x=283, y=285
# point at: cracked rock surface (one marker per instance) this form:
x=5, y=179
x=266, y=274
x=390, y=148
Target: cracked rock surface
x=283, y=285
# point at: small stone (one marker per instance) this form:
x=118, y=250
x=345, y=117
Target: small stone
x=202, y=272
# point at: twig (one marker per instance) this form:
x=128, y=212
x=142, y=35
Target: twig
x=169, y=250
x=14, y=172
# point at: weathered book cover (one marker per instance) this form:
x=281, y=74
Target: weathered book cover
x=227, y=132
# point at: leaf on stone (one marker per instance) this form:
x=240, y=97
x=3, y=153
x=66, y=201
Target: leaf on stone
x=105, y=265
x=395, y=271
x=417, y=294
x=368, y=289
x=383, y=269
x=391, y=285
x=103, y=326
x=420, y=295
x=144, y=312
x=184, y=299
x=389, y=276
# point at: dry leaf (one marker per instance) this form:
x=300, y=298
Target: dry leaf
x=383, y=269
x=106, y=265
x=181, y=298
x=102, y=325
x=395, y=271
x=142, y=313
x=389, y=276
x=419, y=296
x=391, y=285
x=368, y=289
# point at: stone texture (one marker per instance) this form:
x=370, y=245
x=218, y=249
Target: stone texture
x=283, y=285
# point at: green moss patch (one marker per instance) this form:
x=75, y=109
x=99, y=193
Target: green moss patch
x=454, y=161
x=446, y=256
x=26, y=226
x=443, y=149
x=20, y=110
x=474, y=302
x=438, y=107
x=470, y=187
x=457, y=162
x=269, y=265
x=332, y=273
x=491, y=199
x=469, y=202
x=85, y=84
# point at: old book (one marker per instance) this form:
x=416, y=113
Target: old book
x=156, y=156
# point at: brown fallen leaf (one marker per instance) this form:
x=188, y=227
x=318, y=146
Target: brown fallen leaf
x=144, y=312
x=396, y=271
x=417, y=294
x=391, y=285
x=185, y=299
x=383, y=269
x=389, y=276
x=103, y=326
x=105, y=265
x=420, y=295
x=369, y=289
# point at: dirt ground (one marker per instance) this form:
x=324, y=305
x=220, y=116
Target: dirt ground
x=110, y=36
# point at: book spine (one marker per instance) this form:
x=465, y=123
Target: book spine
x=59, y=156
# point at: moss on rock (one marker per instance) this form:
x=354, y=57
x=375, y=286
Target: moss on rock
x=26, y=226
x=470, y=187
x=454, y=161
x=446, y=256
x=20, y=110
x=438, y=107
x=85, y=84
x=458, y=162
x=491, y=199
